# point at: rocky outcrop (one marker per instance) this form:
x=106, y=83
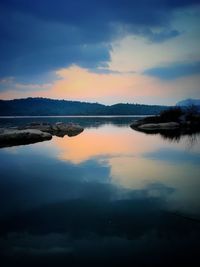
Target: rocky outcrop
x=185, y=123
x=59, y=129
x=36, y=132
x=11, y=137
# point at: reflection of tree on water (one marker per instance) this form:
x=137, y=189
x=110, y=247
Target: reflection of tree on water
x=192, y=140
x=176, y=135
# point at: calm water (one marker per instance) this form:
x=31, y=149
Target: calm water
x=110, y=196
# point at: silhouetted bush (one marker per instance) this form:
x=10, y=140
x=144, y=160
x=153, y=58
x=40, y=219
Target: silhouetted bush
x=172, y=114
x=151, y=119
x=192, y=112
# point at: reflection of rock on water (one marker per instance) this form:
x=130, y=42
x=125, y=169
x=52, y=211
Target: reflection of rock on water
x=175, y=135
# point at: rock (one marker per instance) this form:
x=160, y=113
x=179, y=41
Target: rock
x=62, y=129
x=38, y=123
x=136, y=123
x=44, y=127
x=185, y=123
x=10, y=137
x=36, y=132
x=59, y=129
x=159, y=126
x=34, y=123
x=146, y=120
x=59, y=123
x=73, y=130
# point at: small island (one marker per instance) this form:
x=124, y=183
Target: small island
x=177, y=121
x=36, y=132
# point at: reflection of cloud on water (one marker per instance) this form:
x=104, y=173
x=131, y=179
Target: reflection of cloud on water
x=174, y=156
x=138, y=172
x=84, y=166
x=105, y=141
x=103, y=193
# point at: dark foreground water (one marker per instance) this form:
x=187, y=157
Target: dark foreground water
x=110, y=196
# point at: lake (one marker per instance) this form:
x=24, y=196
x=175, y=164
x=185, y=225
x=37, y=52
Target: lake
x=110, y=196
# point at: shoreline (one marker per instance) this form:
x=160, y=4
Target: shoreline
x=76, y=116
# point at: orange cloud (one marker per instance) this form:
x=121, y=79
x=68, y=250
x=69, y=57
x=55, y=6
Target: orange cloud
x=79, y=83
x=75, y=83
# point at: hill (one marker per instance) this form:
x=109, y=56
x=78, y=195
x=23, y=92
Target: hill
x=52, y=107
x=189, y=102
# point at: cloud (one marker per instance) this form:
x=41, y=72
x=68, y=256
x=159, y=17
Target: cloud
x=86, y=11
x=10, y=84
x=174, y=71
x=163, y=35
x=42, y=37
x=174, y=156
x=75, y=83
x=137, y=53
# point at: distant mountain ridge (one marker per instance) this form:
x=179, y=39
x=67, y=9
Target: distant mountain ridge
x=189, y=102
x=51, y=107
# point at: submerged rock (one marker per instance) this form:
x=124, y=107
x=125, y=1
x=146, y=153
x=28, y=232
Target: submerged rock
x=11, y=137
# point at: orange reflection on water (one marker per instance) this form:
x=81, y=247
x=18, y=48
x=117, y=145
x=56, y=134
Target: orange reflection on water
x=104, y=141
x=124, y=151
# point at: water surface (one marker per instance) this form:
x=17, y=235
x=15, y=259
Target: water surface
x=110, y=196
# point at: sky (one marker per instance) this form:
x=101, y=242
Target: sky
x=105, y=51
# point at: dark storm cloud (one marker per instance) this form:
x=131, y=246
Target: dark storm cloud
x=174, y=71
x=40, y=36
x=85, y=11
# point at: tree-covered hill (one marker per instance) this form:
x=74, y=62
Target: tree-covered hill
x=45, y=107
